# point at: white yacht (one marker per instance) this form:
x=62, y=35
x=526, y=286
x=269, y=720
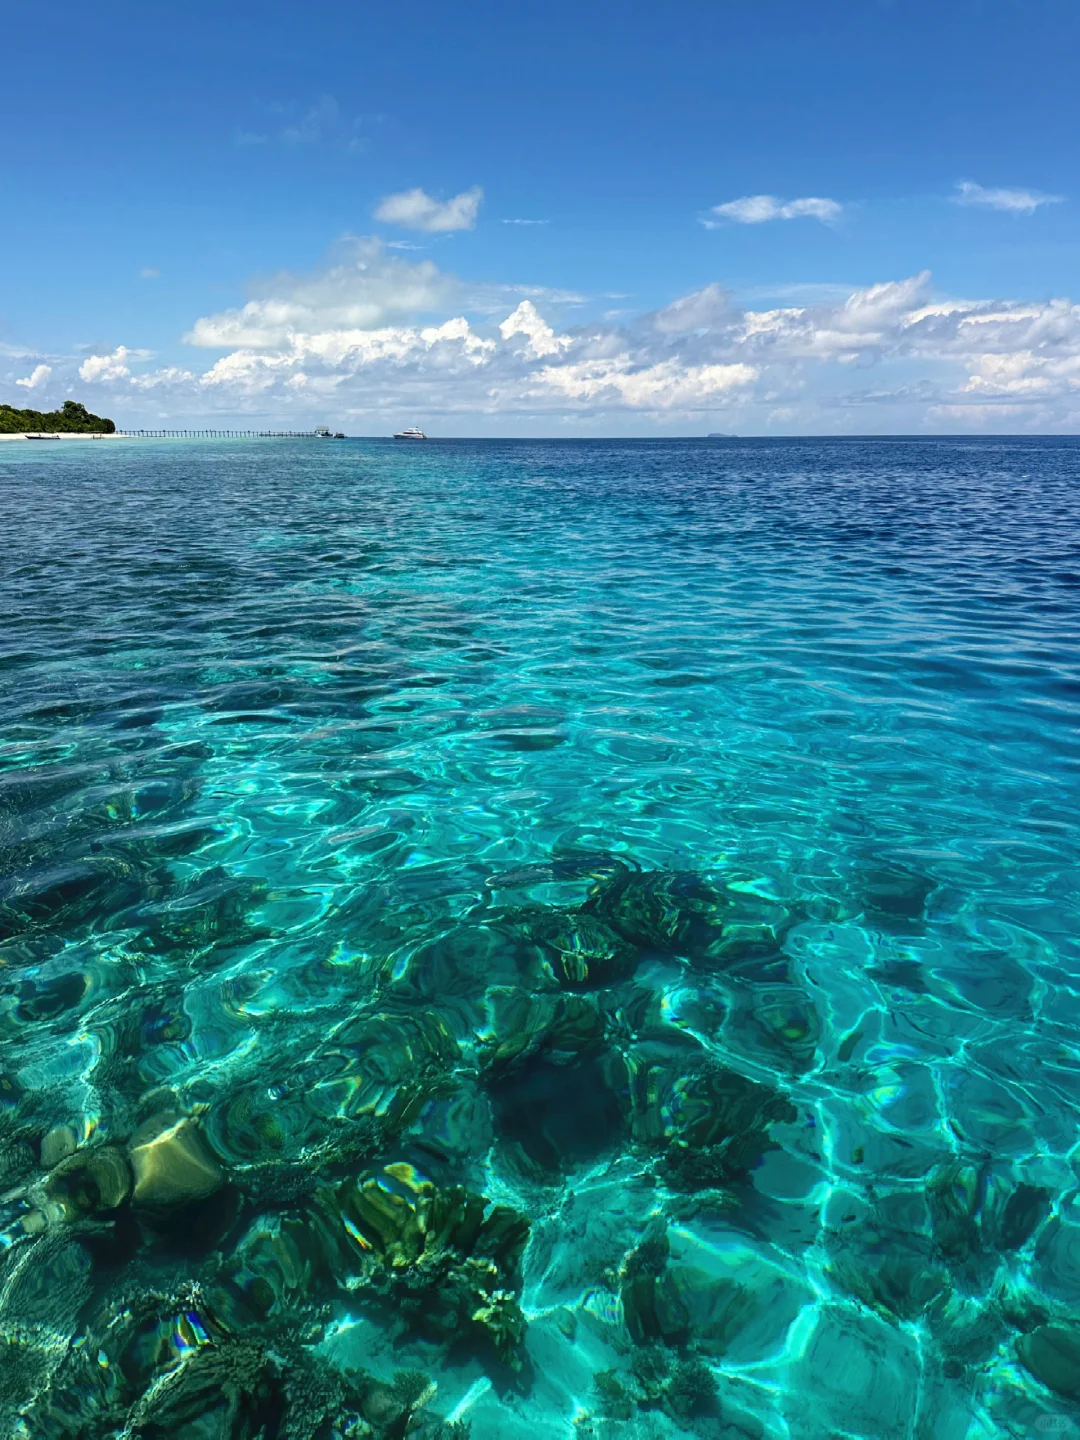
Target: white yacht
x=411, y=432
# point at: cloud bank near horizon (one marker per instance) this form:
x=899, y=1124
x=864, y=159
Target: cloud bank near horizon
x=371, y=336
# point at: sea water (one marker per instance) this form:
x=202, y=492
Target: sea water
x=540, y=939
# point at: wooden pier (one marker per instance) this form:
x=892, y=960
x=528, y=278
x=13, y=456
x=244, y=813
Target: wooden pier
x=223, y=434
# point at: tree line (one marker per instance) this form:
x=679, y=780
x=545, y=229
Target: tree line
x=73, y=418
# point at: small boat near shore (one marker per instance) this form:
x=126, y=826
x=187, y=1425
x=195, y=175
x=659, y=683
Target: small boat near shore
x=411, y=432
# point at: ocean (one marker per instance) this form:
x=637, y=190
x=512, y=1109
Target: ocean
x=540, y=939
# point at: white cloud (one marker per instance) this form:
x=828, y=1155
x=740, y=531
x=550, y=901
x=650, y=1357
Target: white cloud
x=661, y=386
x=148, y=272
x=106, y=367
x=540, y=338
x=372, y=334
x=702, y=310
x=757, y=209
x=417, y=210
x=526, y=222
x=1018, y=202
x=37, y=376
x=362, y=288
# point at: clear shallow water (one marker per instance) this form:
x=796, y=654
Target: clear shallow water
x=673, y=845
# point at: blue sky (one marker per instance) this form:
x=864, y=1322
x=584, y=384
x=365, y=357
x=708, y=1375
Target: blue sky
x=876, y=205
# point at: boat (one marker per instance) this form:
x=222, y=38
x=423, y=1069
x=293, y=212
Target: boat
x=411, y=432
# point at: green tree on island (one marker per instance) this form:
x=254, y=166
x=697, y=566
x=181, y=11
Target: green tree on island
x=73, y=419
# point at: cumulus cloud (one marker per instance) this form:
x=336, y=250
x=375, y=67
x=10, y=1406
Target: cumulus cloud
x=361, y=288
x=660, y=386
x=106, y=367
x=373, y=334
x=757, y=209
x=417, y=210
x=1017, y=202
x=540, y=338
x=37, y=376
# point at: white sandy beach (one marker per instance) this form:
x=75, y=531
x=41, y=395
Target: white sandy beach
x=62, y=435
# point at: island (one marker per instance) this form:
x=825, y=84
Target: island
x=73, y=419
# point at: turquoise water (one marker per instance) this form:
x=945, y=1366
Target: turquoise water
x=595, y=924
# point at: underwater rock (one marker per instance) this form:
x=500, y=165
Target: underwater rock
x=680, y=913
x=46, y=999
x=522, y=1025
x=1052, y=1354
x=1012, y=1213
x=469, y=958
x=954, y=1195
x=672, y=911
x=894, y=897
x=891, y=1271
x=444, y=1259
x=282, y=1263
x=230, y=1389
x=966, y=1329
x=92, y=1181
x=340, y=1107
x=171, y=1163
x=45, y=1280
x=587, y=953
x=713, y=1290
x=60, y=1142
x=210, y=911
x=67, y=896
x=386, y=1063
x=1056, y=1269
x=712, y=1122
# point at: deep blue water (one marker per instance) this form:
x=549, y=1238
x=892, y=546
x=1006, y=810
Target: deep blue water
x=664, y=857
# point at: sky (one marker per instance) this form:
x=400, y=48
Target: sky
x=567, y=219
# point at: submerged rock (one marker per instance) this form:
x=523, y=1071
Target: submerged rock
x=1052, y=1354
x=894, y=897
x=445, y=1259
x=711, y=1289
x=92, y=1181
x=671, y=911
x=891, y=1271
x=712, y=1123
x=171, y=1163
x=954, y=1195
x=210, y=911
x=681, y=913
x=586, y=952
x=60, y=1142
x=522, y=1026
